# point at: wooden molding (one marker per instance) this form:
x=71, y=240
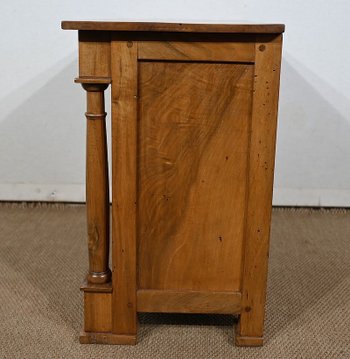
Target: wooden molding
x=96, y=288
x=172, y=27
x=92, y=80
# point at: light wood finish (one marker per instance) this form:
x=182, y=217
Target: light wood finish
x=259, y=200
x=106, y=338
x=194, y=110
x=98, y=307
x=248, y=341
x=190, y=228
x=124, y=147
x=168, y=301
x=197, y=51
x=94, y=54
x=172, y=27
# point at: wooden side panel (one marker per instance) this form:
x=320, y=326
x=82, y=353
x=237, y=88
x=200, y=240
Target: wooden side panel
x=98, y=312
x=168, y=301
x=197, y=51
x=124, y=147
x=261, y=171
x=193, y=144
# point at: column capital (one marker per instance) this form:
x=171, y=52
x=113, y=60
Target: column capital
x=93, y=84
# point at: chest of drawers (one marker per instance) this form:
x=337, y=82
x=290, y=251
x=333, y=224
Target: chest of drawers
x=193, y=113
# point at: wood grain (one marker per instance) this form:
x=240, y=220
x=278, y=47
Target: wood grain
x=167, y=301
x=98, y=312
x=197, y=51
x=193, y=140
x=94, y=54
x=124, y=147
x=171, y=27
x=260, y=180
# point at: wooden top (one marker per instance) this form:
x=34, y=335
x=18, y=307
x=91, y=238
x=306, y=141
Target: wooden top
x=173, y=27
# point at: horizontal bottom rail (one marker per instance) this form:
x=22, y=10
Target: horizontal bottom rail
x=172, y=301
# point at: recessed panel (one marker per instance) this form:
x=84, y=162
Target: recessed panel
x=193, y=132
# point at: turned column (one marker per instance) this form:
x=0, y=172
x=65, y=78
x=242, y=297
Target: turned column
x=97, y=187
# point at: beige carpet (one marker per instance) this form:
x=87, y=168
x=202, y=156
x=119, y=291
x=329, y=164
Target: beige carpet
x=43, y=260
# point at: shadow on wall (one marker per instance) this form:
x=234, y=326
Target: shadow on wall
x=42, y=142
x=313, y=136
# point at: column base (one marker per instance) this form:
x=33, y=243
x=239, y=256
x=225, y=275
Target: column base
x=99, y=277
x=106, y=338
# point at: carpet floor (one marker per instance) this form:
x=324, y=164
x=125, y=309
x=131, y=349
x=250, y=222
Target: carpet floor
x=43, y=259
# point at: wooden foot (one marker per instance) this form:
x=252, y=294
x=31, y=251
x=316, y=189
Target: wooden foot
x=106, y=338
x=241, y=341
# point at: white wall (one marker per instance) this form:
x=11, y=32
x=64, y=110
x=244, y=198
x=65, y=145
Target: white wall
x=42, y=127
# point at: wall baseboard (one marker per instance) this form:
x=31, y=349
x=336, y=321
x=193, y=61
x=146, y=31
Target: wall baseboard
x=76, y=193
x=42, y=192
x=310, y=197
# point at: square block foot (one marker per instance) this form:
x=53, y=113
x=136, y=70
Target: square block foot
x=106, y=338
x=242, y=341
